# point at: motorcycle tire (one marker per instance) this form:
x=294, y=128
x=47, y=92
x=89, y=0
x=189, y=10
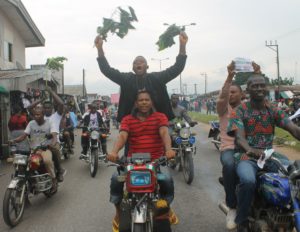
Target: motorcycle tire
x=217, y=138
x=94, y=162
x=9, y=202
x=66, y=155
x=140, y=227
x=187, y=164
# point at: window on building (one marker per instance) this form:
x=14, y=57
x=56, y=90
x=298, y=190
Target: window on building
x=8, y=51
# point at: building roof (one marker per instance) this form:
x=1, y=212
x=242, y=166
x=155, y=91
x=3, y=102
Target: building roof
x=17, y=14
x=76, y=90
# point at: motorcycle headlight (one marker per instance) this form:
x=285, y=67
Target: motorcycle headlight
x=20, y=159
x=185, y=133
x=140, y=178
x=95, y=135
x=192, y=140
x=178, y=140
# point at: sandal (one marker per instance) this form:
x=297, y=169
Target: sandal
x=115, y=226
x=173, y=218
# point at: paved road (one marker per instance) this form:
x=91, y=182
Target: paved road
x=81, y=204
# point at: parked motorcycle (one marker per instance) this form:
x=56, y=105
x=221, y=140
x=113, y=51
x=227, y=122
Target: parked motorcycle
x=214, y=133
x=183, y=141
x=277, y=200
x=94, y=151
x=30, y=177
x=140, y=176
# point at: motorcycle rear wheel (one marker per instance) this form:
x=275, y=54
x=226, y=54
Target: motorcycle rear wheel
x=11, y=206
x=93, y=162
x=187, y=164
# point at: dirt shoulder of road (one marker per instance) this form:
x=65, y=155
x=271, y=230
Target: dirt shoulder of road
x=291, y=153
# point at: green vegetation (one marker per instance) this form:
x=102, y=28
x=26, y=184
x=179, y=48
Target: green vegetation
x=282, y=137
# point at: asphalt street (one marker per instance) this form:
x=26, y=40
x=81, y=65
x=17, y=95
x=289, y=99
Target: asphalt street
x=82, y=202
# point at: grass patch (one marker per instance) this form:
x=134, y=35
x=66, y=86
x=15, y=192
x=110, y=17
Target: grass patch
x=282, y=137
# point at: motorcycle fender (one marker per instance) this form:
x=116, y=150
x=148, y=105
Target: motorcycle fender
x=211, y=133
x=188, y=149
x=13, y=184
x=141, y=215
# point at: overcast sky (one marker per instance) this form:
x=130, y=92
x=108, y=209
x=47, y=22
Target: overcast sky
x=224, y=29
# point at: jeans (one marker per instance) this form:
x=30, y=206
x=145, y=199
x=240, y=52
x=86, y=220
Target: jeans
x=166, y=189
x=229, y=177
x=246, y=171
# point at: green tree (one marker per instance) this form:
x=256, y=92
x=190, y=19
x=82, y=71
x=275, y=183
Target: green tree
x=285, y=81
x=56, y=63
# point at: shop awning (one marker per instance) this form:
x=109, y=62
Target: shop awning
x=3, y=90
x=286, y=94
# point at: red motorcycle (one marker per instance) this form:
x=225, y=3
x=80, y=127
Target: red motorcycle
x=141, y=194
x=30, y=177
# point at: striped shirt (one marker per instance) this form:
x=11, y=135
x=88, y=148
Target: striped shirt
x=143, y=136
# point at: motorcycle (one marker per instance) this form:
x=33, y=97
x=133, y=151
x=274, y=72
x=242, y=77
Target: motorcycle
x=183, y=141
x=214, y=133
x=30, y=177
x=277, y=200
x=64, y=149
x=94, y=151
x=141, y=194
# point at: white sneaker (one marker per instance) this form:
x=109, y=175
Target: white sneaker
x=230, y=224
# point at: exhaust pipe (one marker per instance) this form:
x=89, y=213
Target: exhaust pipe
x=224, y=208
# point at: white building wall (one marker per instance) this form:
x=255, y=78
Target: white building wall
x=10, y=34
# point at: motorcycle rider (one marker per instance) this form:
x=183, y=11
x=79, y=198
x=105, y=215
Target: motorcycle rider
x=67, y=127
x=37, y=129
x=143, y=138
x=155, y=82
x=253, y=124
x=229, y=98
x=55, y=119
x=92, y=119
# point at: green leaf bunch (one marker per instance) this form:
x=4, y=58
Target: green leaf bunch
x=56, y=63
x=120, y=28
x=167, y=38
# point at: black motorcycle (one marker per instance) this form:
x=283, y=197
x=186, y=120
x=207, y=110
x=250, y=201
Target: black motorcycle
x=214, y=133
x=94, y=151
x=183, y=141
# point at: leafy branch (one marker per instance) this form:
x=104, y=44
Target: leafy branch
x=167, y=38
x=120, y=28
x=56, y=63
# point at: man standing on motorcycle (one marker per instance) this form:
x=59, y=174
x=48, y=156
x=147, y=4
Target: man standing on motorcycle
x=253, y=125
x=38, y=129
x=92, y=119
x=147, y=132
x=229, y=98
x=155, y=82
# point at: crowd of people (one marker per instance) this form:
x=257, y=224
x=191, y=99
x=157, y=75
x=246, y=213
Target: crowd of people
x=145, y=113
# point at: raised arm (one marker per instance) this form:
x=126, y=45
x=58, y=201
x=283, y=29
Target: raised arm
x=223, y=99
x=293, y=129
x=57, y=99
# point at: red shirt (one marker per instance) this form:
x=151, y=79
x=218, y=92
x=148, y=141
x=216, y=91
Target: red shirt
x=17, y=122
x=143, y=136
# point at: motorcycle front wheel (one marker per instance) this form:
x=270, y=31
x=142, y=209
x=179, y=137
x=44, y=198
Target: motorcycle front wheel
x=217, y=138
x=140, y=227
x=187, y=164
x=13, y=209
x=93, y=162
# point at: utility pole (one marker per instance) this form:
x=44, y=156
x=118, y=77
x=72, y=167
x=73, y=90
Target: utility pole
x=195, y=89
x=83, y=83
x=205, y=78
x=160, y=60
x=185, y=89
x=63, y=79
x=275, y=48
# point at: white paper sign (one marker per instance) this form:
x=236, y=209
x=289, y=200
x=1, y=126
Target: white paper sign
x=242, y=65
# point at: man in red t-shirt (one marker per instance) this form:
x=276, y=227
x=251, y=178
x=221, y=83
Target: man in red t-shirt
x=146, y=132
